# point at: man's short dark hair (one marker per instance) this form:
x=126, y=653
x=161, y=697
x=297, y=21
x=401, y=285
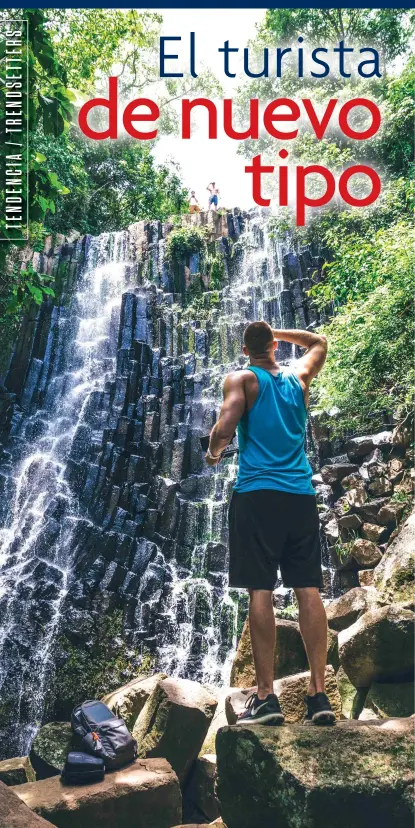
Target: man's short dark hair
x=258, y=337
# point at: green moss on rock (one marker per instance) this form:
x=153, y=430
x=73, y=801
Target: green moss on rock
x=356, y=773
x=87, y=671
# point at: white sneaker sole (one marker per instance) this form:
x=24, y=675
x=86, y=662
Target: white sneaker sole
x=324, y=717
x=269, y=719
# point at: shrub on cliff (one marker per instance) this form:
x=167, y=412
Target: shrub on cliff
x=183, y=242
x=369, y=369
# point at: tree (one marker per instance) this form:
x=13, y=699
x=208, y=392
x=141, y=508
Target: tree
x=49, y=104
x=388, y=30
x=369, y=371
x=96, y=43
x=369, y=277
x=49, y=109
x=111, y=184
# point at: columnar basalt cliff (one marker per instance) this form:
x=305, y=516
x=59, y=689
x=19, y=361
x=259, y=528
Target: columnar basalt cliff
x=114, y=530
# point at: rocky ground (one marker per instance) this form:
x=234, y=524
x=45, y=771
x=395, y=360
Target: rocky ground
x=195, y=765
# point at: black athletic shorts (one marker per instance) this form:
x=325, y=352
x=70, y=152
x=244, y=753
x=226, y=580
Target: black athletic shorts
x=268, y=530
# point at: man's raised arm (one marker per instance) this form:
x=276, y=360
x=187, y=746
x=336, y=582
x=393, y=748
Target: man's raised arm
x=311, y=363
x=233, y=407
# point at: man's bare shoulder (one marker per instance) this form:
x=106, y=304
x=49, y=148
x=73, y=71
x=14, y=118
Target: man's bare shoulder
x=240, y=379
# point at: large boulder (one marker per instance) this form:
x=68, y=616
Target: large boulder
x=50, y=748
x=391, y=699
x=174, y=723
x=390, y=514
x=348, y=694
x=356, y=496
x=379, y=646
x=375, y=533
x=380, y=486
x=290, y=655
x=359, y=446
x=366, y=577
x=369, y=511
x=128, y=701
x=337, y=471
x=355, y=773
x=290, y=691
x=15, y=814
x=141, y=794
x=16, y=771
x=199, y=799
x=365, y=553
x=394, y=575
x=332, y=649
x=345, y=610
x=219, y=719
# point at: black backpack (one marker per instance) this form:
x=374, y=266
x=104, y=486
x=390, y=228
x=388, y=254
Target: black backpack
x=103, y=734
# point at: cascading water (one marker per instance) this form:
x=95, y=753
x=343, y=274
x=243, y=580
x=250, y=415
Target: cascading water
x=37, y=538
x=255, y=291
x=115, y=506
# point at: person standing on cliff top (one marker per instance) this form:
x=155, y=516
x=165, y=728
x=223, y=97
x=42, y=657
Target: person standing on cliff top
x=193, y=203
x=214, y=196
x=273, y=517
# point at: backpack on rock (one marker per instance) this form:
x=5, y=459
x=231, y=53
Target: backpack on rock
x=103, y=734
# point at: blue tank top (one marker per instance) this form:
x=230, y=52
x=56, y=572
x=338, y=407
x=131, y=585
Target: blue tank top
x=271, y=437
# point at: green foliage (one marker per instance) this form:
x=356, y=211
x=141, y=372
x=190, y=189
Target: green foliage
x=343, y=550
x=29, y=285
x=182, y=242
x=289, y=613
x=216, y=271
x=370, y=369
x=395, y=144
x=20, y=287
x=49, y=109
x=404, y=499
x=92, y=41
x=387, y=29
x=364, y=262
x=97, y=43
x=111, y=184
x=90, y=671
x=200, y=306
x=50, y=106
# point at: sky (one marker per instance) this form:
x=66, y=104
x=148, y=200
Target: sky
x=203, y=160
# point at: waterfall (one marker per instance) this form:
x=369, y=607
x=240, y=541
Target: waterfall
x=36, y=540
x=107, y=500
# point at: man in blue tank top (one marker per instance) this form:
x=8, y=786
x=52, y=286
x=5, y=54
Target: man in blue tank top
x=273, y=517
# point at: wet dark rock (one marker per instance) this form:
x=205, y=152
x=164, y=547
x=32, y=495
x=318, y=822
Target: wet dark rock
x=369, y=511
x=337, y=471
x=216, y=557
